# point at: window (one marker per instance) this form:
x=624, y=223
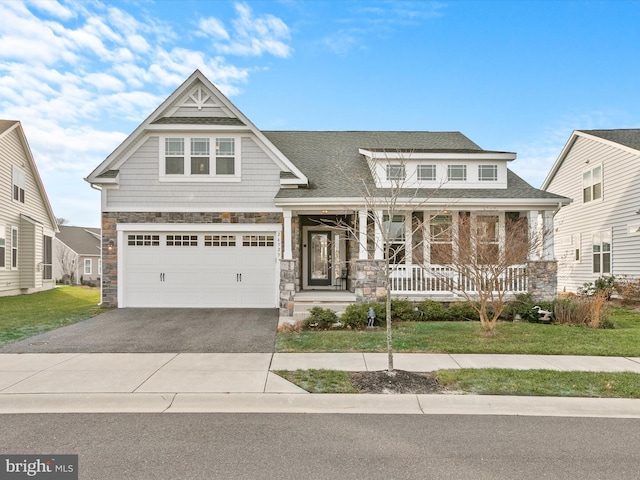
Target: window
x=219, y=240
x=14, y=248
x=427, y=173
x=143, y=240
x=395, y=172
x=47, y=257
x=225, y=156
x=457, y=173
x=592, y=184
x=199, y=156
x=174, y=156
x=182, y=240
x=87, y=266
x=191, y=159
x=601, y=252
x=394, y=233
x=487, y=173
x=18, y=185
x=3, y=247
x=441, y=243
x=257, y=240
x=487, y=234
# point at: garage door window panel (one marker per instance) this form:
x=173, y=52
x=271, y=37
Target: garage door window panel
x=182, y=240
x=143, y=240
x=258, y=240
x=219, y=240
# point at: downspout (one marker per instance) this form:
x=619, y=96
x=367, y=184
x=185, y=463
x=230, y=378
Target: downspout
x=101, y=259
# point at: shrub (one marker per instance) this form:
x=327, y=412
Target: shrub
x=290, y=327
x=430, y=310
x=321, y=318
x=355, y=316
x=522, y=305
x=589, y=311
x=604, y=285
x=628, y=288
x=463, y=311
x=403, y=310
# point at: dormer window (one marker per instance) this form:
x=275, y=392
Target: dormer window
x=457, y=173
x=199, y=158
x=395, y=172
x=488, y=173
x=427, y=173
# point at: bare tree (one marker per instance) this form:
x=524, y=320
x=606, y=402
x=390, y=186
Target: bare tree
x=62, y=221
x=67, y=259
x=477, y=256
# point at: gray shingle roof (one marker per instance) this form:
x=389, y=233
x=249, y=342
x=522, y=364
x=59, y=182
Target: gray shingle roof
x=80, y=240
x=629, y=137
x=331, y=161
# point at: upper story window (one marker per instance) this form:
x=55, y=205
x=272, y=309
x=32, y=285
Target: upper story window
x=488, y=173
x=18, y=185
x=3, y=246
x=592, y=184
x=456, y=173
x=199, y=158
x=395, y=172
x=427, y=173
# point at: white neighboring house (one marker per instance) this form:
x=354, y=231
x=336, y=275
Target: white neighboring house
x=27, y=222
x=77, y=257
x=200, y=208
x=599, y=233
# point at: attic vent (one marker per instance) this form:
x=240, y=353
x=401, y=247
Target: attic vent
x=199, y=97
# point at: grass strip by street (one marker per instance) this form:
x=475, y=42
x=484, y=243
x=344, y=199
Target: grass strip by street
x=467, y=337
x=26, y=315
x=493, y=382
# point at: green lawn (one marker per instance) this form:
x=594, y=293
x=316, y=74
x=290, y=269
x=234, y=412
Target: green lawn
x=467, y=337
x=493, y=382
x=26, y=315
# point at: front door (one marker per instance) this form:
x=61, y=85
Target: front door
x=319, y=258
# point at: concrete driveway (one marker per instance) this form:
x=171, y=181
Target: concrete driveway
x=161, y=330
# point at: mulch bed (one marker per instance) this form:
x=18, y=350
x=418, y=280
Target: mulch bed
x=401, y=382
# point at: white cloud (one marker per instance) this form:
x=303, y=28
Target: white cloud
x=82, y=75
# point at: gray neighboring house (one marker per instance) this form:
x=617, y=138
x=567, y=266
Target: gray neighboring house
x=599, y=233
x=27, y=222
x=77, y=257
x=200, y=208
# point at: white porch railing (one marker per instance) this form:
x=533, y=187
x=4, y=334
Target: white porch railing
x=414, y=279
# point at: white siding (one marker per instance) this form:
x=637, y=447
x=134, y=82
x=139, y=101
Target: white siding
x=616, y=210
x=140, y=188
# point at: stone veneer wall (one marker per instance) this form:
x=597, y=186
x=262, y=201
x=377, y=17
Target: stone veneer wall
x=110, y=221
x=542, y=282
x=370, y=282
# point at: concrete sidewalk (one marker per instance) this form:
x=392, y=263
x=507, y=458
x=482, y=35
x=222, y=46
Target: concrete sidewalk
x=244, y=382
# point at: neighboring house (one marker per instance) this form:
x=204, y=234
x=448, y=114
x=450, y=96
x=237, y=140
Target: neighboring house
x=200, y=208
x=27, y=223
x=599, y=233
x=77, y=256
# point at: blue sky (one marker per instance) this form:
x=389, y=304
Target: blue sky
x=512, y=76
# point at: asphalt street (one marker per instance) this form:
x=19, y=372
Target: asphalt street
x=294, y=446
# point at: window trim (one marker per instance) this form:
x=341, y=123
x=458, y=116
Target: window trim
x=87, y=262
x=434, y=170
x=600, y=254
x=493, y=169
x=398, y=167
x=15, y=240
x=188, y=156
x=18, y=181
x=591, y=185
x=450, y=167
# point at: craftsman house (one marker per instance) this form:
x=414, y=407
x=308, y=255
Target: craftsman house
x=200, y=208
x=599, y=233
x=27, y=223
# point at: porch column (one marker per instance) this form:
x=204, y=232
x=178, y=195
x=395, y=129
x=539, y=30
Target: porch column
x=534, y=235
x=379, y=239
x=426, y=237
x=408, y=238
x=362, y=235
x=288, y=240
x=547, y=235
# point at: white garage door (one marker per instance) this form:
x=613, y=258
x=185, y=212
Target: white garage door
x=195, y=269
